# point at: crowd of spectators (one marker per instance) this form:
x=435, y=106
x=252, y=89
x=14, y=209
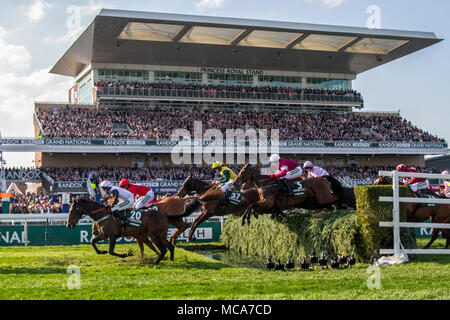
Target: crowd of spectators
x=159, y=124
x=35, y=203
x=214, y=88
x=181, y=173
x=135, y=174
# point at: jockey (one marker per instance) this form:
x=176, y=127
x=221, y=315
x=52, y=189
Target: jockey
x=123, y=199
x=227, y=175
x=286, y=169
x=93, y=182
x=314, y=171
x=417, y=185
x=144, y=194
x=446, y=191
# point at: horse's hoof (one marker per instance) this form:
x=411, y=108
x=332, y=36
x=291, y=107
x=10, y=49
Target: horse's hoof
x=102, y=252
x=193, y=239
x=129, y=254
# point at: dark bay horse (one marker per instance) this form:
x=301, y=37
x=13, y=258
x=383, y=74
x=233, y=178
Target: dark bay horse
x=155, y=225
x=212, y=198
x=415, y=212
x=317, y=194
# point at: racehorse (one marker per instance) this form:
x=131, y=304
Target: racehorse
x=155, y=224
x=316, y=193
x=213, y=203
x=416, y=212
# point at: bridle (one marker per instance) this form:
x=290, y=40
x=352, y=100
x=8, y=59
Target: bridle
x=84, y=212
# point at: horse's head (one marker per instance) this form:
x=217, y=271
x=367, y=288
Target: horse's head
x=247, y=174
x=187, y=187
x=75, y=213
x=383, y=181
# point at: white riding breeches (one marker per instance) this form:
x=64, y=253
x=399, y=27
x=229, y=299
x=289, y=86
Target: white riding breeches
x=144, y=200
x=225, y=187
x=123, y=205
x=419, y=186
x=295, y=173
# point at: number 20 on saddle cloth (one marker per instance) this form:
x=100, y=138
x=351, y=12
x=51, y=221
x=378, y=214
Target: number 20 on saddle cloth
x=134, y=217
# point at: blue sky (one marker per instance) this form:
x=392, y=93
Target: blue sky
x=34, y=34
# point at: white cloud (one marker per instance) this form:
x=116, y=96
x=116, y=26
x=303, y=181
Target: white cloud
x=12, y=57
x=36, y=11
x=94, y=7
x=204, y=5
x=18, y=94
x=328, y=3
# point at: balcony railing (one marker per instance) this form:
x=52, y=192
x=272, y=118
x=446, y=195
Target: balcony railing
x=231, y=95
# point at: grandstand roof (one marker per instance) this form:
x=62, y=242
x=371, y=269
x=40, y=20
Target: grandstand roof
x=147, y=38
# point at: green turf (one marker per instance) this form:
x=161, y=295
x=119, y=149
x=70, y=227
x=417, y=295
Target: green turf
x=40, y=273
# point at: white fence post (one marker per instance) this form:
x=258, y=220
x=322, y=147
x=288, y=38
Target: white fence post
x=396, y=213
x=25, y=233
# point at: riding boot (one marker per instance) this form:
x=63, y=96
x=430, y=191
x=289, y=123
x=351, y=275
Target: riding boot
x=121, y=215
x=226, y=197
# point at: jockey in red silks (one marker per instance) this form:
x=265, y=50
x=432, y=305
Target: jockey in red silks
x=144, y=193
x=417, y=185
x=286, y=169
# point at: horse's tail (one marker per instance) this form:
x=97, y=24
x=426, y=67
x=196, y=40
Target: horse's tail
x=349, y=198
x=346, y=195
x=191, y=208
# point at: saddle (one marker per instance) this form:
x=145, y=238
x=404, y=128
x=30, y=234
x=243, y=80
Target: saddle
x=292, y=188
x=425, y=195
x=234, y=198
x=130, y=217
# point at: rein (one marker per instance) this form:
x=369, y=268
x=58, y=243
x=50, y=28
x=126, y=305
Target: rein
x=99, y=210
x=267, y=179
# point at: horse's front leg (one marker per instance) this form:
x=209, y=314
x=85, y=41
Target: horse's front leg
x=97, y=239
x=246, y=215
x=434, y=236
x=112, y=245
x=204, y=216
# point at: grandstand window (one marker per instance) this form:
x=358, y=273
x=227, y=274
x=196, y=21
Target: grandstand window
x=319, y=162
x=280, y=81
x=338, y=162
x=230, y=79
x=352, y=162
x=330, y=84
x=179, y=77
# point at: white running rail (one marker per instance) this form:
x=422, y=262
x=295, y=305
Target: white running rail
x=396, y=224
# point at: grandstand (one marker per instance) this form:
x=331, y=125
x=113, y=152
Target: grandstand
x=140, y=75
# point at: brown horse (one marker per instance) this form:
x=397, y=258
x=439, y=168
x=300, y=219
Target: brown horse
x=155, y=225
x=174, y=207
x=415, y=212
x=213, y=203
x=317, y=193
